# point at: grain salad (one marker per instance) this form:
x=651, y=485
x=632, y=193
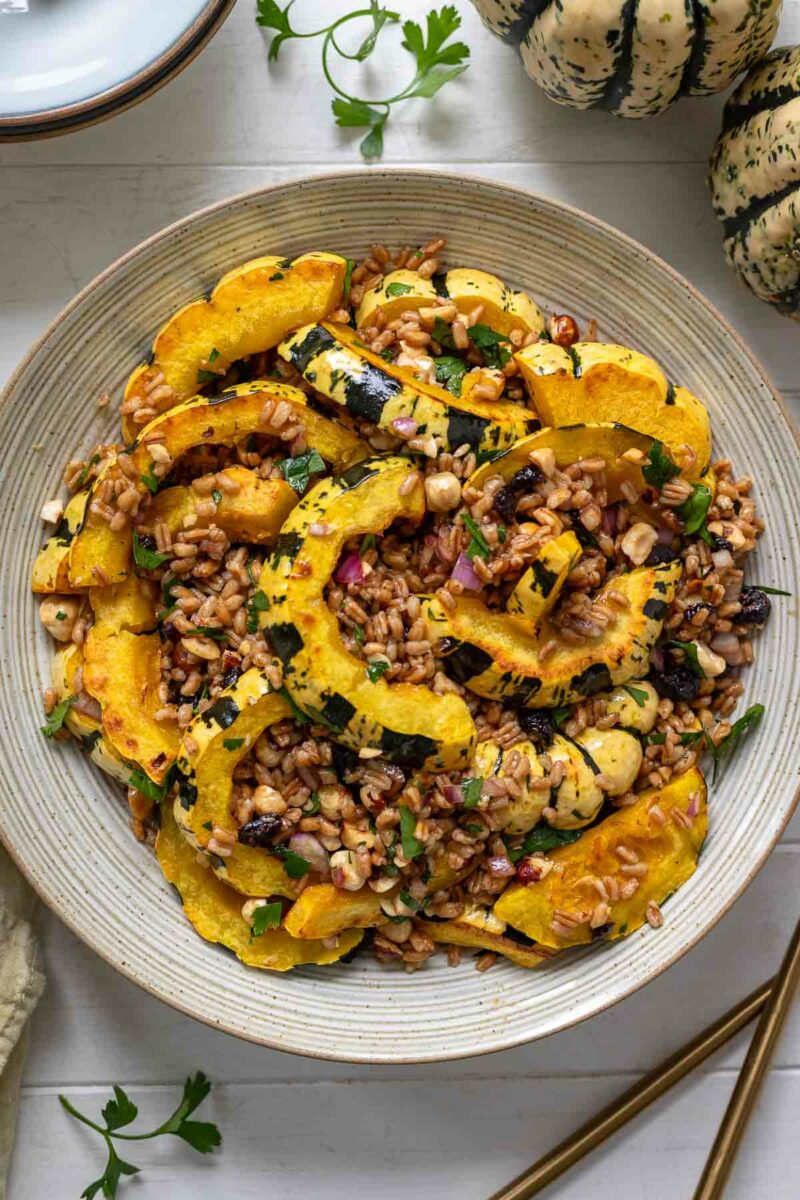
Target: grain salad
x=412, y=620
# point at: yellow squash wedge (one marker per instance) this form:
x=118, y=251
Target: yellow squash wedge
x=495, y=656
x=215, y=911
x=407, y=723
x=537, y=590
x=122, y=670
x=479, y=929
x=593, y=381
x=570, y=444
x=669, y=851
x=324, y=911
x=212, y=747
x=253, y=514
x=219, y=420
x=504, y=310
x=86, y=729
x=50, y=571
x=333, y=360
x=251, y=309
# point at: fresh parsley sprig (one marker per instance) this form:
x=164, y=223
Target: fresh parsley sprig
x=437, y=60
x=121, y=1111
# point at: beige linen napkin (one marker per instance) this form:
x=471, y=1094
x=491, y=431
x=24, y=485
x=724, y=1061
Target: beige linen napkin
x=21, y=985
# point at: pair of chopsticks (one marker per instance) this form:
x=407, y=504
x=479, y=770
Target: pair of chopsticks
x=772, y=1001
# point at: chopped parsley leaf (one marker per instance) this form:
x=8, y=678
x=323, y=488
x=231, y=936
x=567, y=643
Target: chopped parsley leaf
x=471, y=790
x=296, y=866
x=491, y=345
x=450, y=372
x=232, y=743
x=412, y=846
x=146, y=558
x=398, y=289
x=266, y=916
x=298, y=470
x=151, y=480
x=659, y=468
x=637, y=694
x=478, y=544
x=56, y=719
x=376, y=668
x=144, y=784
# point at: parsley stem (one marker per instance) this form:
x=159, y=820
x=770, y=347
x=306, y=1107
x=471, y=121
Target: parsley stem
x=80, y=1117
x=330, y=41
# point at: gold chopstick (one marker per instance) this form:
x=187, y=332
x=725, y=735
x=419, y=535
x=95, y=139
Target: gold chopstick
x=634, y=1100
x=740, y=1106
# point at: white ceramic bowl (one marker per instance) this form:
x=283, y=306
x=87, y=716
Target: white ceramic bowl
x=69, y=63
x=66, y=825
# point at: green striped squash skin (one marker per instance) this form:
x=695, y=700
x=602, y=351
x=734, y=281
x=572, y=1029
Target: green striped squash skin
x=633, y=58
x=755, y=180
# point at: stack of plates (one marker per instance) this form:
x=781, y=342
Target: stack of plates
x=65, y=64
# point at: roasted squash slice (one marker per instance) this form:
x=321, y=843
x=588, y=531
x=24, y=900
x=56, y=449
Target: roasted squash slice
x=122, y=670
x=495, y=656
x=593, y=381
x=504, y=310
x=524, y=811
x=50, y=571
x=537, y=590
x=407, y=723
x=209, y=753
x=479, y=929
x=636, y=706
x=219, y=420
x=571, y=443
x=324, y=911
x=250, y=309
x=668, y=850
x=67, y=669
x=253, y=514
x=215, y=911
x=339, y=366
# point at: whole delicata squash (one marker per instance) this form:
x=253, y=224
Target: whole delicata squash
x=251, y=309
x=493, y=655
x=122, y=670
x=666, y=845
x=633, y=60
x=212, y=747
x=98, y=554
x=503, y=309
x=333, y=360
x=215, y=911
x=595, y=382
x=755, y=188
x=408, y=723
x=50, y=571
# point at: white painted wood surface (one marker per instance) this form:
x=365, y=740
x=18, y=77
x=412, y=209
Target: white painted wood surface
x=297, y=1127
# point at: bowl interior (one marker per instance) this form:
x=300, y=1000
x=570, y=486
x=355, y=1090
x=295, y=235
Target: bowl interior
x=66, y=825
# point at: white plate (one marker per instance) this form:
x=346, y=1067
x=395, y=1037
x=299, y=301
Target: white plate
x=59, y=58
x=66, y=825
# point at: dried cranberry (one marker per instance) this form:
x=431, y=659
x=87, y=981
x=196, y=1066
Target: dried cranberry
x=230, y=676
x=675, y=683
x=527, y=479
x=660, y=554
x=694, y=609
x=529, y=870
x=505, y=504
x=539, y=726
x=756, y=607
x=147, y=540
x=261, y=830
x=720, y=543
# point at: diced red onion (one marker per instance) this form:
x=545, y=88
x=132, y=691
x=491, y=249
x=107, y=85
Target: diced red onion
x=405, y=427
x=453, y=793
x=722, y=559
x=657, y=659
x=312, y=850
x=500, y=865
x=727, y=645
x=694, y=807
x=350, y=569
x=464, y=572
x=664, y=536
x=87, y=705
x=610, y=520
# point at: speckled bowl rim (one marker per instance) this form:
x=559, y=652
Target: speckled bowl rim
x=53, y=122
x=505, y=1042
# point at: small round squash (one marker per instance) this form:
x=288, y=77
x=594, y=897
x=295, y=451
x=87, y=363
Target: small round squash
x=755, y=181
x=633, y=60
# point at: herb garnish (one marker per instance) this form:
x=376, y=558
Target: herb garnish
x=770, y=591
x=211, y=631
x=376, y=668
x=298, y=470
x=412, y=846
x=296, y=866
x=209, y=376
x=637, y=694
x=232, y=743
x=84, y=475
x=146, y=558
x=144, y=784
x=561, y=714
x=478, y=544
x=492, y=345
x=694, y=510
x=55, y=721
x=690, y=652
x=543, y=838
x=398, y=289
x=471, y=790
x=259, y=602
x=348, y=275
x=266, y=916
x=121, y=1111
x=450, y=372
x=659, y=468
x=150, y=480
x=726, y=747
x=436, y=61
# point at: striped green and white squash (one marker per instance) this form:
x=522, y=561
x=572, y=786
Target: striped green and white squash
x=633, y=57
x=755, y=180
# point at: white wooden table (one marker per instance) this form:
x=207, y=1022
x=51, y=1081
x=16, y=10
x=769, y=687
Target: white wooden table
x=296, y=1127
